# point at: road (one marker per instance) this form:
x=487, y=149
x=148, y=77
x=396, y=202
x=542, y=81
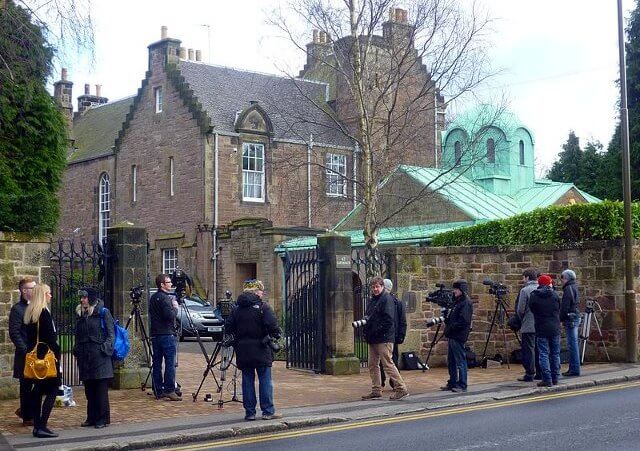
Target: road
x=597, y=418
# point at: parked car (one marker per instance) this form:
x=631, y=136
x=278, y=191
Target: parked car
x=205, y=319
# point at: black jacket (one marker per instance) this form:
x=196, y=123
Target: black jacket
x=250, y=322
x=94, y=344
x=401, y=320
x=570, y=301
x=381, y=326
x=545, y=306
x=457, y=324
x=162, y=314
x=49, y=336
x=18, y=335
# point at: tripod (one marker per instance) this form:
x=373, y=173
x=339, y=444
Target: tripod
x=443, y=314
x=499, y=314
x=588, y=318
x=148, y=350
x=228, y=353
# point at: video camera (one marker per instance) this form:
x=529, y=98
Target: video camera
x=226, y=305
x=497, y=289
x=442, y=296
x=182, y=283
x=136, y=293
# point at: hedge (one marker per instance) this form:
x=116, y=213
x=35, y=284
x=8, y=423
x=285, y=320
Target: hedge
x=552, y=225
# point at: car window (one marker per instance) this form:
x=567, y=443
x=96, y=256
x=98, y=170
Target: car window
x=195, y=302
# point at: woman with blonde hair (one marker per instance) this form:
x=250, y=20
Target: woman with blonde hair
x=40, y=328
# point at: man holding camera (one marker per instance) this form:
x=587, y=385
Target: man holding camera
x=380, y=334
x=254, y=328
x=163, y=310
x=401, y=327
x=457, y=328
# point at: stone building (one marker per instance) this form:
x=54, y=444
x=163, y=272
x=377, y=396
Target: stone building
x=201, y=147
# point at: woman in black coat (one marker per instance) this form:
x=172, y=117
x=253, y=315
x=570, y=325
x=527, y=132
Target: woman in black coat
x=93, y=350
x=40, y=328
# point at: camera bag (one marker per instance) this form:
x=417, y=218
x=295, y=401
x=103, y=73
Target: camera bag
x=411, y=361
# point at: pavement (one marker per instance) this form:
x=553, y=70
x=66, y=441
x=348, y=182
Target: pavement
x=303, y=398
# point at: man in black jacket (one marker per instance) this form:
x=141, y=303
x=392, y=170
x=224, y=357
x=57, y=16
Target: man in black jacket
x=401, y=327
x=18, y=335
x=380, y=334
x=457, y=326
x=163, y=309
x=545, y=306
x=253, y=324
x=570, y=317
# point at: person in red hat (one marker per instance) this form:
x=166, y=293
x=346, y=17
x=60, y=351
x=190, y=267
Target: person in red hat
x=545, y=306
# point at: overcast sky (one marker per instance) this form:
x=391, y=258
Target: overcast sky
x=558, y=58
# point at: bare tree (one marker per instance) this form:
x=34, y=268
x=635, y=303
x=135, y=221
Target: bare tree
x=392, y=72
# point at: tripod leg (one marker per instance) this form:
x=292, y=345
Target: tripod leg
x=493, y=322
x=586, y=331
x=604, y=346
x=211, y=362
x=434, y=341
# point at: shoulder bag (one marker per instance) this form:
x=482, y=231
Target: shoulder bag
x=39, y=369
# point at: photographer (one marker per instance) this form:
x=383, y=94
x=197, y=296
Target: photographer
x=457, y=328
x=163, y=309
x=570, y=317
x=527, y=328
x=401, y=328
x=254, y=326
x=380, y=334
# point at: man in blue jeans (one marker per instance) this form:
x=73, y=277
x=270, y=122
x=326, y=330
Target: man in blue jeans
x=570, y=317
x=457, y=326
x=163, y=309
x=545, y=306
x=252, y=323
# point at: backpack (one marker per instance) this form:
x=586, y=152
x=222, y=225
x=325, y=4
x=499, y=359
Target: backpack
x=121, y=345
x=411, y=361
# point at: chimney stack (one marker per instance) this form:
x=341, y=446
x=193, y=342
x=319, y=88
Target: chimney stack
x=190, y=54
x=397, y=29
x=63, y=95
x=198, y=55
x=163, y=32
x=88, y=101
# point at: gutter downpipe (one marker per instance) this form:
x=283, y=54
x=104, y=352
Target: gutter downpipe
x=631, y=322
x=309, y=150
x=214, y=241
x=356, y=151
x=435, y=126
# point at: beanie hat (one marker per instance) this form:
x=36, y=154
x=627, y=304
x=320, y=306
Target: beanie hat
x=253, y=285
x=90, y=293
x=461, y=285
x=544, y=279
x=569, y=274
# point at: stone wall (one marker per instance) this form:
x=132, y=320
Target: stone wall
x=599, y=267
x=20, y=256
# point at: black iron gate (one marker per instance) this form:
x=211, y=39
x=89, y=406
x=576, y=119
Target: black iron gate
x=73, y=265
x=304, y=311
x=361, y=292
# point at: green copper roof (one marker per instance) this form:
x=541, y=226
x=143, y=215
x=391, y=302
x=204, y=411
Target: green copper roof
x=474, y=120
x=96, y=130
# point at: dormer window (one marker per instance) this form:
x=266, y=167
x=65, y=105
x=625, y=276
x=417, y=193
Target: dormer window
x=158, y=96
x=521, y=144
x=491, y=150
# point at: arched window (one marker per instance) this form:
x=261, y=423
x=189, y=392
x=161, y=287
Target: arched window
x=521, y=152
x=457, y=149
x=491, y=150
x=104, y=206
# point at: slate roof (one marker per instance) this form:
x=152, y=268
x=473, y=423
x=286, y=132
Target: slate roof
x=224, y=91
x=95, y=131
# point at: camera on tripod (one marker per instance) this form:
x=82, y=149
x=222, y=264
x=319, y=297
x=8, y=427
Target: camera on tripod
x=497, y=289
x=182, y=283
x=136, y=293
x=360, y=322
x=442, y=296
x=226, y=305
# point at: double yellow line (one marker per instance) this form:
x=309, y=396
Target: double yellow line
x=417, y=416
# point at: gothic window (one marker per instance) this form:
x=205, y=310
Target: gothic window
x=253, y=172
x=491, y=150
x=336, y=170
x=104, y=206
x=457, y=151
x=521, y=144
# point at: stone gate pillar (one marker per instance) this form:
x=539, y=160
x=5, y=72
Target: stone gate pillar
x=127, y=248
x=334, y=255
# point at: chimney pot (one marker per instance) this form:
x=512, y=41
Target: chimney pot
x=323, y=37
x=163, y=32
x=98, y=90
x=392, y=14
x=404, y=16
x=198, y=55
x=316, y=38
x=87, y=90
x=190, y=54
x=182, y=52
x=63, y=75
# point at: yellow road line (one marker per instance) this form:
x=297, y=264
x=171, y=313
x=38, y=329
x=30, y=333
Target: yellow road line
x=411, y=417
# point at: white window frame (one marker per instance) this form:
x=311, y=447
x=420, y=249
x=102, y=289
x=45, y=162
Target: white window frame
x=172, y=173
x=252, y=168
x=104, y=206
x=336, y=173
x=134, y=183
x=169, y=260
x=157, y=93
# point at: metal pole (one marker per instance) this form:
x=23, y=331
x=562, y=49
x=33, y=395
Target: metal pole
x=631, y=324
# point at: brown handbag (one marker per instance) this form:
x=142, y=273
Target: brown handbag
x=39, y=369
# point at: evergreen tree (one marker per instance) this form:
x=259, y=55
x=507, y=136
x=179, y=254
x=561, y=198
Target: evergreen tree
x=32, y=130
x=568, y=167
